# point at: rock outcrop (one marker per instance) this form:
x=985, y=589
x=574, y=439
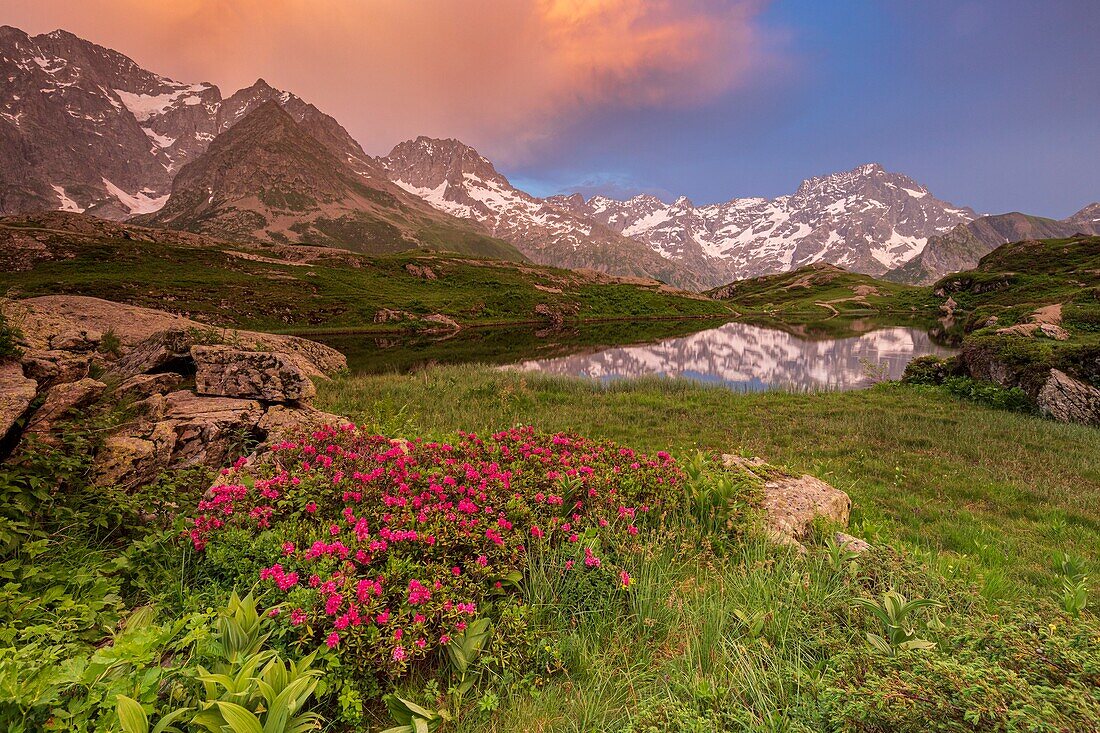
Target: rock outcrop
x=16, y=394
x=224, y=371
x=252, y=391
x=146, y=338
x=430, y=322
x=1066, y=399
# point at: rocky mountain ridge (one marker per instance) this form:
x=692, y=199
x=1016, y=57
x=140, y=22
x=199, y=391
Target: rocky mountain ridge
x=963, y=247
x=867, y=219
x=456, y=179
x=84, y=128
x=266, y=179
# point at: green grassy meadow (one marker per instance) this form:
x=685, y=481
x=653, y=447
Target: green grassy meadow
x=339, y=292
x=1000, y=493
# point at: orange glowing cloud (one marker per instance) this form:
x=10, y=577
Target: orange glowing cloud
x=505, y=75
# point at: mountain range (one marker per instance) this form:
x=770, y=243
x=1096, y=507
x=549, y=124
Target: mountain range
x=266, y=179
x=963, y=246
x=85, y=129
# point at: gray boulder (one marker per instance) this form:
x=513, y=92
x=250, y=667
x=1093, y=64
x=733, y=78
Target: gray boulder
x=1066, y=399
x=225, y=371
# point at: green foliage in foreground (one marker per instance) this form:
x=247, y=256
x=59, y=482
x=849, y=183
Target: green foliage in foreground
x=718, y=629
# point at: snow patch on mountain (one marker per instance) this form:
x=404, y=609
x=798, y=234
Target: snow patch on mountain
x=67, y=204
x=138, y=203
x=146, y=106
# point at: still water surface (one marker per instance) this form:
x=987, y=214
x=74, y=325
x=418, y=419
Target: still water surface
x=751, y=358
x=736, y=355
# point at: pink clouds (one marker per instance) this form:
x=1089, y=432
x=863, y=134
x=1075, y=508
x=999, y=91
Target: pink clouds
x=504, y=75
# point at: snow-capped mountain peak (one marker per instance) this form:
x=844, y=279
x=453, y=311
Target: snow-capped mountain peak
x=455, y=178
x=90, y=130
x=866, y=219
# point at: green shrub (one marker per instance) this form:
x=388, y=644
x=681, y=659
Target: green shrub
x=9, y=339
x=989, y=394
x=1083, y=312
x=110, y=343
x=929, y=369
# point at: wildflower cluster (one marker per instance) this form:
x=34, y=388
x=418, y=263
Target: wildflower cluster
x=389, y=548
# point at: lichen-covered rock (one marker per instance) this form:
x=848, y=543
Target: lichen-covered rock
x=78, y=323
x=269, y=376
x=422, y=271
x=1066, y=399
x=163, y=349
x=282, y=422
x=1054, y=331
x=390, y=315
x=792, y=503
x=433, y=321
x=54, y=366
x=16, y=394
x=143, y=386
x=439, y=321
x=205, y=430
x=127, y=461
x=62, y=398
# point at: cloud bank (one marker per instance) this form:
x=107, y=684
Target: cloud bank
x=507, y=76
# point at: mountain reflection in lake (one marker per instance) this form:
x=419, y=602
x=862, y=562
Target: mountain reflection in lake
x=751, y=358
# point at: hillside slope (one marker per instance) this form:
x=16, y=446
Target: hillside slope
x=298, y=287
x=820, y=291
x=266, y=179
x=962, y=247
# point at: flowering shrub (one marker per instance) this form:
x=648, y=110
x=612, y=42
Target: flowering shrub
x=389, y=548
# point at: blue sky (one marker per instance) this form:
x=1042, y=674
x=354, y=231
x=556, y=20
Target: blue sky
x=991, y=104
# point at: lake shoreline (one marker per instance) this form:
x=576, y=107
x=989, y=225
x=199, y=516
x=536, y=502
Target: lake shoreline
x=379, y=331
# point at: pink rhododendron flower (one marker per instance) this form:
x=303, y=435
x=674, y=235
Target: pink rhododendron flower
x=412, y=526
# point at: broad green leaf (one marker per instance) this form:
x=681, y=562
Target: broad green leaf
x=131, y=715
x=165, y=723
x=238, y=718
